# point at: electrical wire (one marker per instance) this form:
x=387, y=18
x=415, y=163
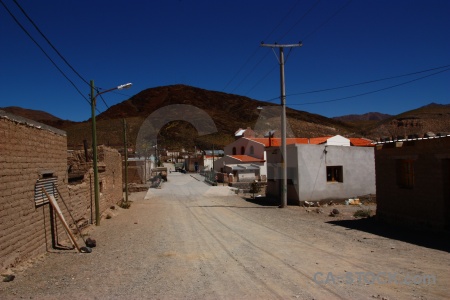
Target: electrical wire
x=327, y=20
x=361, y=83
x=371, y=92
x=314, y=31
x=56, y=50
x=43, y=51
x=51, y=45
x=301, y=18
x=256, y=50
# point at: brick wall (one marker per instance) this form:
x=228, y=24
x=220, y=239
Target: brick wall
x=81, y=190
x=26, y=150
x=110, y=177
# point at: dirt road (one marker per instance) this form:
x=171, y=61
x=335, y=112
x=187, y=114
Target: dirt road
x=192, y=241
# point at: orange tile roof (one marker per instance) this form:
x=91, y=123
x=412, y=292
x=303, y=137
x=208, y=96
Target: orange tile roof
x=360, y=142
x=246, y=158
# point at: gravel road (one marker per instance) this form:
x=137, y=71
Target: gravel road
x=189, y=240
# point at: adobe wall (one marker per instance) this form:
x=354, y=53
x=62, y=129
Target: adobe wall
x=81, y=189
x=139, y=171
x=427, y=203
x=27, y=149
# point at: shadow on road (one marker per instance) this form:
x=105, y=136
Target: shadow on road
x=267, y=201
x=434, y=240
x=230, y=206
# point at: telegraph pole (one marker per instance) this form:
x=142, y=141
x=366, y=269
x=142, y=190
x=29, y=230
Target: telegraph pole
x=283, y=201
x=125, y=148
x=94, y=154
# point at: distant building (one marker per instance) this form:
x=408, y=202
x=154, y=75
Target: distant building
x=248, y=133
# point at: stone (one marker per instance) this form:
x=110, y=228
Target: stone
x=9, y=278
x=91, y=243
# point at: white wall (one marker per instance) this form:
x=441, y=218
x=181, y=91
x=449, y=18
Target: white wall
x=307, y=170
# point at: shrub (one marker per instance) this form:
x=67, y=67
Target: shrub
x=362, y=213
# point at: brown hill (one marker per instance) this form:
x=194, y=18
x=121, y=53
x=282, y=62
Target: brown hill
x=371, y=116
x=229, y=113
x=430, y=118
x=39, y=116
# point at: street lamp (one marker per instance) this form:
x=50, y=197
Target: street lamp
x=94, y=144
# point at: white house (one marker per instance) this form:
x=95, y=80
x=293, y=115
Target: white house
x=253, y=151
x=331, y=170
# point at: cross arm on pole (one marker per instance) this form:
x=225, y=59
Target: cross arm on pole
x=281, y=45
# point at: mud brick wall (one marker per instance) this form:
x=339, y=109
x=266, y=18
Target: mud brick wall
x=81, y=191
x=110, y=177
x=27, y=149
x=136, y=172
x=425, y=205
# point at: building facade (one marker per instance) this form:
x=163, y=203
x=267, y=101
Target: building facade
x=322, y=172
x=34, y=158
x=413, y=182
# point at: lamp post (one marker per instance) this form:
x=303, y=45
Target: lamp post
x=94, y=144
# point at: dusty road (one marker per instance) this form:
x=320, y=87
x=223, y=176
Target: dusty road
x=192, y=241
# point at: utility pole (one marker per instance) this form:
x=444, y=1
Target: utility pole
x=94, y=144
x=94, y=154
x=125, y=148
x=283, y=201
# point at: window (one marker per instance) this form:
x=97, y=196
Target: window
x=234, y=150
x=242, y=150
x=252, y=150
x=405, y=173
x=334, y=174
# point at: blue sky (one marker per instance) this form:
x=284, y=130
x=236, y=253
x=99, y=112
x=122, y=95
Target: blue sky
x=215, y=45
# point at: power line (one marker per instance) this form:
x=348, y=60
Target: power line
x=301, y=18
x=51, y=45
x=256, y=50
x=59, y=54
x=361, y=83
x=315, y=30
x=327, y=20
x=372, y=92
x=43, y=51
